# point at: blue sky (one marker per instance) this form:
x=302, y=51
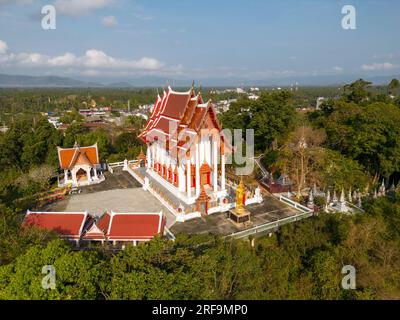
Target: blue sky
x=185, y=39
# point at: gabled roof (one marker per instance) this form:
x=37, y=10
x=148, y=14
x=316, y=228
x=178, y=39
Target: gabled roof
x=104, y=222
x=94, y=233
x=67, y=224
x=68, y=157
x=135, y=226
x=183, y=112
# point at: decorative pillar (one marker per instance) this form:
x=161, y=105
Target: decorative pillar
x=148, y=157
x=73, y=175
x=95, y=173
x=88, y=175
x=215, y=165
x=222, y=172
x=181, y=179
x=208, y=151
x=65, y=175
x=197, y=170
x=188, y=178
x=153, y=153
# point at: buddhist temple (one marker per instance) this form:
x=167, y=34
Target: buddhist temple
x=80, y=165
x=186, y=149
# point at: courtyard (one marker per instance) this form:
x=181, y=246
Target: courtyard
x=270, y=210
x=120, y=192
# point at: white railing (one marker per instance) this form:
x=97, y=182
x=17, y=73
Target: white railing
x=169, y=234
x=354, y=206
x=269, y=225
x=109, y=168
x=294, y=204
x=116, y=164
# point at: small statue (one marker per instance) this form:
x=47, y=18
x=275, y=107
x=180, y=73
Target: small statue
x=240, y=198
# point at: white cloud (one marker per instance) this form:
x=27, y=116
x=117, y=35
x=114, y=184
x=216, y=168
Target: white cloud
x=92, y=60
x=339, y=69
x=3, y=47
x=379, y=66
x=109, y=21
x=80, y=7
x=67, y=59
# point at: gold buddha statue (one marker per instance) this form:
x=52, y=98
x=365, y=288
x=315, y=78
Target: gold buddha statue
x=239, y=210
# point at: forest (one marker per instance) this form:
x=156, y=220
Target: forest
x=352, y=141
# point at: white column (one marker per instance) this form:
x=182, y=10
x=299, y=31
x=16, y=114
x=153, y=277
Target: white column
x=222, y=172
x=73, y=174
x=65, y=175
x=181, y=179
x=153, y=153
x=188, y=178
x=197, y=170
x=88, y=175
x=215, y=165
x=95, y=173
x=201, y=147
x=208, y=151
x=148, y=157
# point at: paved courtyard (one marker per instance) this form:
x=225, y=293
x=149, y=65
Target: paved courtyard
x=120, y=193
x=271, y=209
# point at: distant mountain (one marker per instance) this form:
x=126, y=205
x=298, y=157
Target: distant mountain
x=154, y=81
x=9, y=81
x=119, y=85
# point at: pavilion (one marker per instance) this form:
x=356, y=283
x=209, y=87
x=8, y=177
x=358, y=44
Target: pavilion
x=80, y=165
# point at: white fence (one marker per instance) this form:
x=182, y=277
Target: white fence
x=111, y=166
x=269, y=226
x=294, y=204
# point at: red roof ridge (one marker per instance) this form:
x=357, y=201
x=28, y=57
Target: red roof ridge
x=113, y=214
x=82, y=225
x=178, y=92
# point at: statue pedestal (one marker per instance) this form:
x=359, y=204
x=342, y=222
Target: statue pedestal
x=242, y=217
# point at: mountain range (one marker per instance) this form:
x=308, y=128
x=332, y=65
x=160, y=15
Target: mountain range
x=25, y=81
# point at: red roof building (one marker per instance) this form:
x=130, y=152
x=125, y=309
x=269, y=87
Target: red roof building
x=80, y=165
x=132, y=226
x=182, y=134
x=69, y=225
x=115, y=227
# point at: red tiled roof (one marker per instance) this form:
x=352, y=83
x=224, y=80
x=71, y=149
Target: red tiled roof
x=68, y=157
x=185, y=110
x=104, y=222
x=67, y=224
x=135, y=226
x=94, y=233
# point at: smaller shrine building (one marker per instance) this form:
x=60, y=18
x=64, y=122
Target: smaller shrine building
x=81, y=165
